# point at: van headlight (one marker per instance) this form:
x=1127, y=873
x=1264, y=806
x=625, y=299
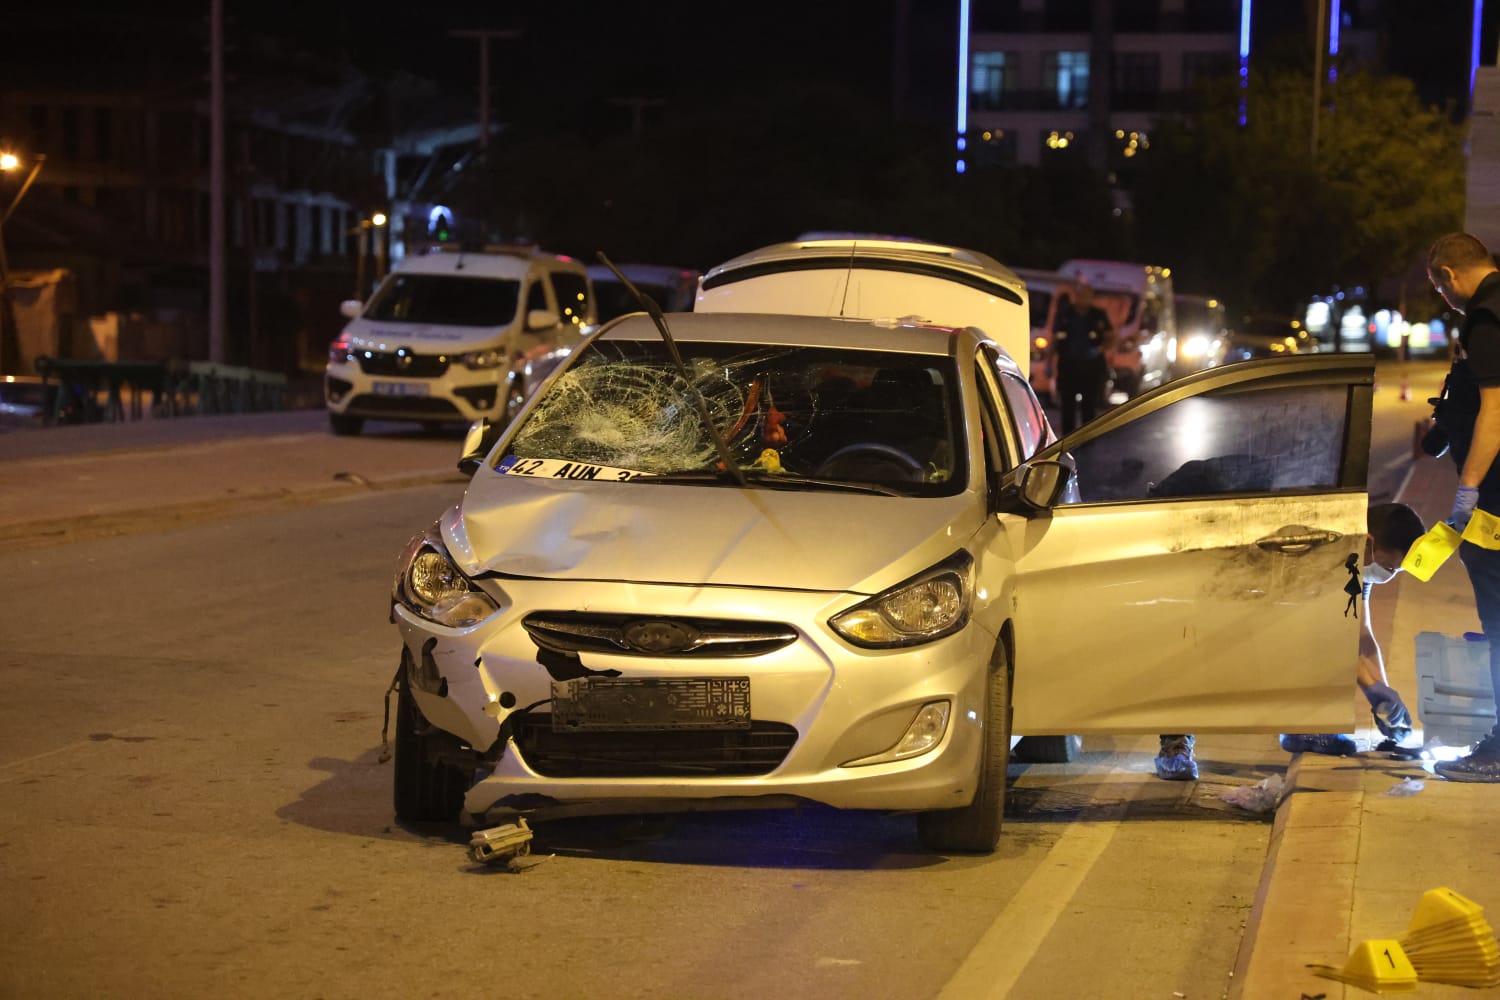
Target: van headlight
x=430, y=585
x=929, y=606
x=482, y=359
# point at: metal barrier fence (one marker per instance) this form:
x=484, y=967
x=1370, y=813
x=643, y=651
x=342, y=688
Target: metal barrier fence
x=110, y=391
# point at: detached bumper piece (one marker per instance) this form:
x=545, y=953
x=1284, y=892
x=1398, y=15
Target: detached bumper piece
x=501, y=843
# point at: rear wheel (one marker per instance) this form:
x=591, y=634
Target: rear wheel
x=1048, y=749
x=976, y=827
x=345, y=426
x=428, y=788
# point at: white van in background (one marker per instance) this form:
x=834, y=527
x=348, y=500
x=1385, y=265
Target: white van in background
x=455, y=335
x=1142, y=313
x=875, y=278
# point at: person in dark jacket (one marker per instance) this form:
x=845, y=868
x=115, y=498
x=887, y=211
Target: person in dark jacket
x=1080, y=334
x=1464, y=273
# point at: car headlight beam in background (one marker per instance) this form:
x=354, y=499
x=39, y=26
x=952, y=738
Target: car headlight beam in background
x=929, y=606
x=430, y=585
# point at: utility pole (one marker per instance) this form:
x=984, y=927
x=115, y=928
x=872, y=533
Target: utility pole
x=1318, y=42
x=484, y=35
x=217, y=307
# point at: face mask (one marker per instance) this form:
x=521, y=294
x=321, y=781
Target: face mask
x=1376, y=573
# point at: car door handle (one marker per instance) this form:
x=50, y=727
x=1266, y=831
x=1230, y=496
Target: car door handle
x=1296, y=539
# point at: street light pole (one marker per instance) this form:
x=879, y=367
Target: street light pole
x=9, y=162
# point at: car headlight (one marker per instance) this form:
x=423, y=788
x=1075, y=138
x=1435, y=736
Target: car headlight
x=1196, y=347
x=492, y=358
x=928, y=606
x=433, y=587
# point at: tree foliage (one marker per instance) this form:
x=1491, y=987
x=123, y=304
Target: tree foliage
x=1258, y=213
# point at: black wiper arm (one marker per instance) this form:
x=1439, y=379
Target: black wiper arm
x=775, y=480
x=654, y=311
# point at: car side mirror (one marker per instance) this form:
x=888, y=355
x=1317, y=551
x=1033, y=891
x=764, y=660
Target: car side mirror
x=1042, y=484
x=480, y=438
x=351, y=308
x=541, y=319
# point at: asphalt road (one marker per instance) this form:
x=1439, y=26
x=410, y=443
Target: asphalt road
x=190, y=757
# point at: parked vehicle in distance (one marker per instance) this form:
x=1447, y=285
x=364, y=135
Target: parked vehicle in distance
x=1268, y=336
x=455, y=335
x=821, y=559
x=1043, y=291
x=1202, y=337
x=882, y=278
x=1139, y=358
x=672, y=288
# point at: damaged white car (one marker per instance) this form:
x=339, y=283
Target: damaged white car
x=782, y=559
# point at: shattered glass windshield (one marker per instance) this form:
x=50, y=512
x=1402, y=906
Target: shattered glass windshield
x=790, y=415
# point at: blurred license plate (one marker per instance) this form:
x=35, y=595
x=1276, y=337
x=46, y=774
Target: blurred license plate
x=400, y=388
x=651, y=703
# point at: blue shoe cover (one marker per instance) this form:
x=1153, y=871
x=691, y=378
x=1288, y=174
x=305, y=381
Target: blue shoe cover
x=1329, y=744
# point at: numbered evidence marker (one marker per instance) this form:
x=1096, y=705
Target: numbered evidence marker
x=1379, y=965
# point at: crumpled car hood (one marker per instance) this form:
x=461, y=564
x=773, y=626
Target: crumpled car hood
x=705, y=535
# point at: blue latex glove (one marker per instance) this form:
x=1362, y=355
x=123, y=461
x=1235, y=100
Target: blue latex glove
x=1464, y=501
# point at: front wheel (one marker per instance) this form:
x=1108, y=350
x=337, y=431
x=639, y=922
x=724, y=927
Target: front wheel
x=976, y=827
x=428, y=788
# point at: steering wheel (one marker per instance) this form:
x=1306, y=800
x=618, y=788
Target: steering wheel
x=853, y=455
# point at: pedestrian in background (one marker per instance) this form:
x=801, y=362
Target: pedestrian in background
x=1464, y=273
x=1080, y=333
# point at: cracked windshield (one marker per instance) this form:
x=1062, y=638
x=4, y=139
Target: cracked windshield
x=787, y=413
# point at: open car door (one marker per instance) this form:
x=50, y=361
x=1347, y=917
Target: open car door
x=1205, y=577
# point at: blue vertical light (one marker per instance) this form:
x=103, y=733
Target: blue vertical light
x=1474, y=47
x=1335, y=17
x=1244, y=56
x=963, y=77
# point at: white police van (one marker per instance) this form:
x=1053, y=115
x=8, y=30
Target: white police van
x=455, y=335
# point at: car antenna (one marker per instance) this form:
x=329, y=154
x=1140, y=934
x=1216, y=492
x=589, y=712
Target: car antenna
x=848, y=278
x=654, y=311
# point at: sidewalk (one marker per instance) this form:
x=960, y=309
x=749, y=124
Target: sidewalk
x=1349, y=862
x=67, y=483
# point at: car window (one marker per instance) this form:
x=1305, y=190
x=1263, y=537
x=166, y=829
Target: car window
x=572, y=292
x=1030, y=418
x=536, y=295
x=445, y=299
x=1262, y=441
x=846, y=414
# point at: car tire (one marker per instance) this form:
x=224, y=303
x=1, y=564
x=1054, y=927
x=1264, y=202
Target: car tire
x=976, y=827
x=1048, y=749
x=345, y=426
x=427, y=790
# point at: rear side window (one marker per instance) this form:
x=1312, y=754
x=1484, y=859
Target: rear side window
x=1257, y=442
x=446, y=300
x=572, y=296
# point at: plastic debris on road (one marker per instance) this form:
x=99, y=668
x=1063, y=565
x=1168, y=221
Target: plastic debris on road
x=1406, y=789
x=1260, y=797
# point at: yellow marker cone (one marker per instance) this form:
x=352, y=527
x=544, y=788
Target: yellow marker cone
x=1483, y=530
x=1449, y=941
x=1431, y=551
x=1379, y=965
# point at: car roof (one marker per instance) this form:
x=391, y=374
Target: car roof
x=508, y=262
x=953, y=263
x=903, y=336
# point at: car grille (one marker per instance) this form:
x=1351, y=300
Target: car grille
x=645, y=635
x=390, y=363
x=665, y=753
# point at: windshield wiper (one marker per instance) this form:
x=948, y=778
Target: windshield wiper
x=654, y=311
x=775, y=480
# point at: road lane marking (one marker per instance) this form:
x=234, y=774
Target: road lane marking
x=1008, y=945
x=34, y=757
